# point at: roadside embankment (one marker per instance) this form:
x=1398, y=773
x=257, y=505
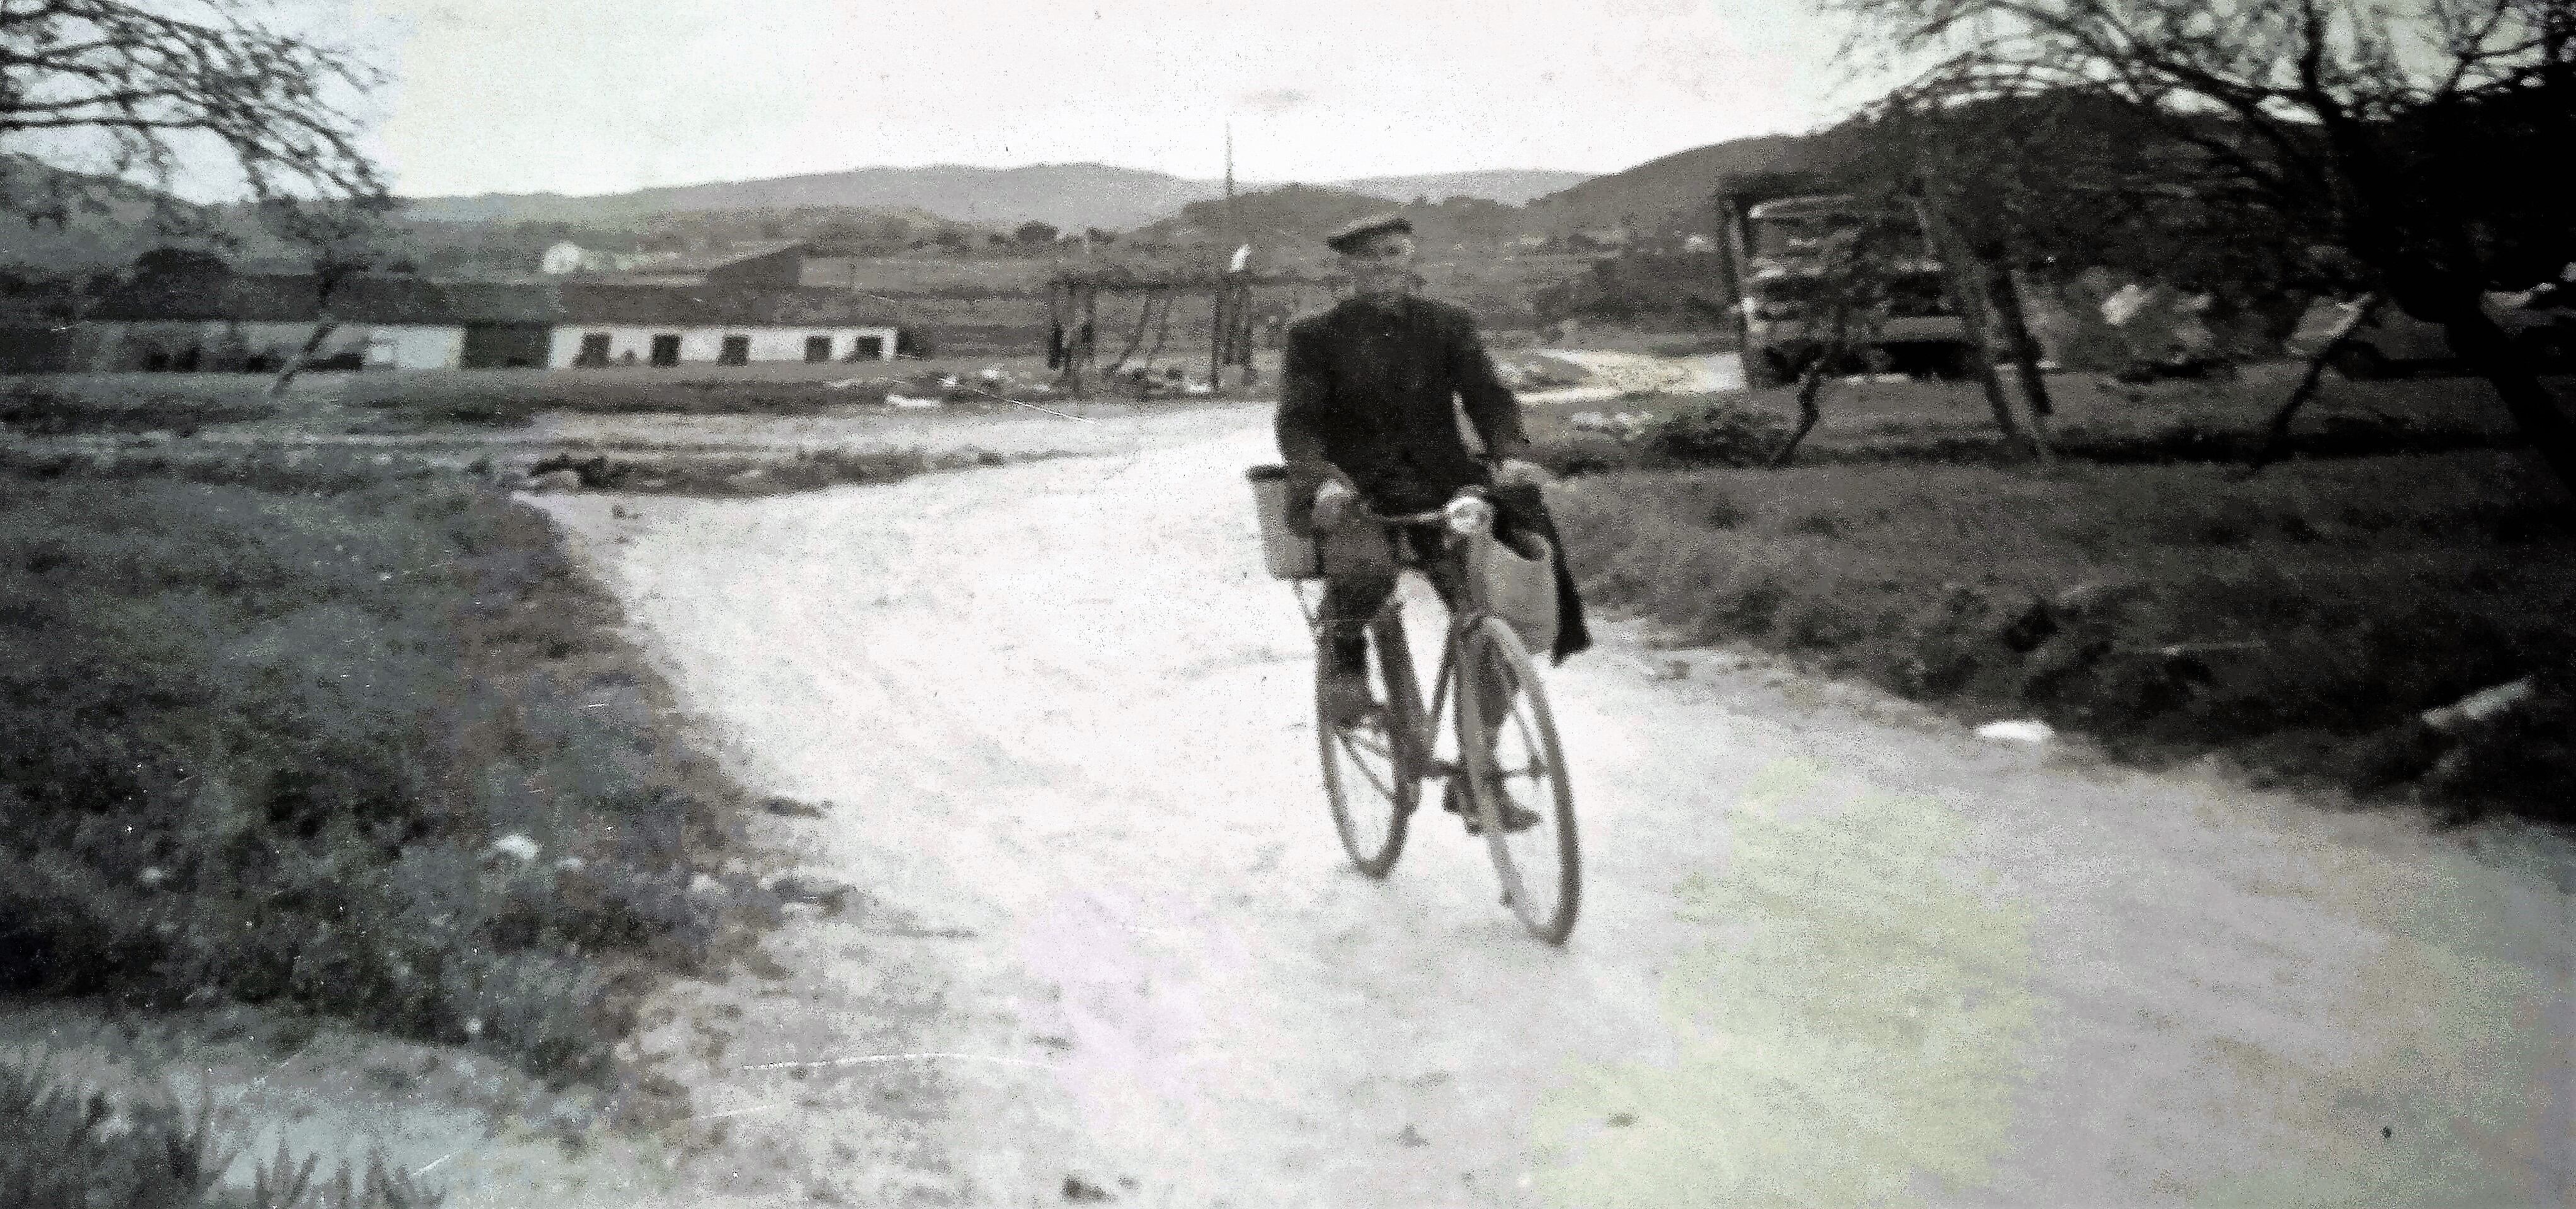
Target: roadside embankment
x=339, y=736
x=2299, y=623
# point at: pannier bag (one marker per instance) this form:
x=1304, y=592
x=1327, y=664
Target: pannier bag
x=1287, y=546
x=1521, y=591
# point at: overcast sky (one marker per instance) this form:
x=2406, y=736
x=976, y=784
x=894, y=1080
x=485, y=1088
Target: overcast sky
x=508, y=95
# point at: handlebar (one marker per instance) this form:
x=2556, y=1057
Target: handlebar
x=1467, y=512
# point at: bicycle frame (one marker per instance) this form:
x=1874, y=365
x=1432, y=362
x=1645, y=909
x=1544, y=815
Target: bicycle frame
x=1542, y=881
x=1419, y=730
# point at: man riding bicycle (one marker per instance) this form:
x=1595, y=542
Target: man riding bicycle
x=1367, y=421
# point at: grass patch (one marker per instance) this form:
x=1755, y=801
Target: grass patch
x=60, y=1149
x=396, y=401
x=303, y=729
x=2097, y=421
x=2298, y=620
x=39, y=411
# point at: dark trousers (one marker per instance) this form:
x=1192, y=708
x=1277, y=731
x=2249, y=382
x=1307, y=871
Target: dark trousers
x=1360, y=573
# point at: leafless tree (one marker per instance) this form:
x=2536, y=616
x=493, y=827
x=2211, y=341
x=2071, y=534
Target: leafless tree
x=103, y=101
x=2415, y=134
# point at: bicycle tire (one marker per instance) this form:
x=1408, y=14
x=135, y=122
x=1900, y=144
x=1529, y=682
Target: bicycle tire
x=1372, y=816
x=1487, y=646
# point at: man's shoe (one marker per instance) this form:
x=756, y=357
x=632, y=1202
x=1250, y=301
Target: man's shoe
x=1516, y=818
x=1342, y=697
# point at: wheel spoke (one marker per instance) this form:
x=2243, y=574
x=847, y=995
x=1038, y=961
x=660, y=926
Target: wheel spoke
x=1538, y=866
x=1369, y=742
x=1384, y=790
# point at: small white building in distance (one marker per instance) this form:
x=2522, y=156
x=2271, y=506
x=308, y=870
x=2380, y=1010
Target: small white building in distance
x=733, y=309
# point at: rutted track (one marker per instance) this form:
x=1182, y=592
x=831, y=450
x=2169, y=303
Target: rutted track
x=1832, y=951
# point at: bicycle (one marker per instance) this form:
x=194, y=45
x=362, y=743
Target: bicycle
x=1375, y=764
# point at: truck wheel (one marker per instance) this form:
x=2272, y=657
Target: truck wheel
x=2551, y=349
x=2361, y=363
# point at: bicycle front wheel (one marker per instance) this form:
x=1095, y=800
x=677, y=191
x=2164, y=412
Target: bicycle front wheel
x=1507, y=738
x=1372, y=774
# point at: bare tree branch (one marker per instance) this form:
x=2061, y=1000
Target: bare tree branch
x=140, y=80
x=2411, y=136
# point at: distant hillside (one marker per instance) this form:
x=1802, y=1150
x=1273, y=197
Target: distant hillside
x=1663, y=196
x=1510, y=186
x=1286, y=214
x=1667, y=195
x=87, y=239
x=1289, y=223
x=1071, y=196
x=1068, y=196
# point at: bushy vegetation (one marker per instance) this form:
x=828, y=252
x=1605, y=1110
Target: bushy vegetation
x=1720, y=434
x=305, y=730
x=2298, y=621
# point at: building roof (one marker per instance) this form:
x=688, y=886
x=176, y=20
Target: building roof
x=698, y=265
x=295, y=298
x=503, y=301
x=711, y=261
x=627, y=305
x=385, y=299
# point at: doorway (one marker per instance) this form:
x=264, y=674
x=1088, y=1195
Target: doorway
x=505, y=346
x=736, y=350
x=666, y=349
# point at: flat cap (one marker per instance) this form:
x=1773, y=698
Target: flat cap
x=1350, y=235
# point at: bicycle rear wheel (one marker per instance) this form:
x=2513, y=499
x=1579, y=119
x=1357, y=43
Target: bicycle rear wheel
x=1372, y=774
x=1500, y=695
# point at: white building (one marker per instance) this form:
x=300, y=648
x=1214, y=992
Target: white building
x=738, y=310
x=582, y=344
x=221, y=320
x=612, y=323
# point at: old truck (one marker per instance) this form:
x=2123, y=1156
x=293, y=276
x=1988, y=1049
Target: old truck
x=1786, y=247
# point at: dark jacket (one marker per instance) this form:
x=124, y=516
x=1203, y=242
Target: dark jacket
x=1367, y=388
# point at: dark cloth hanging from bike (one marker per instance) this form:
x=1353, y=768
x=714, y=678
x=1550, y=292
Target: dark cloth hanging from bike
x=1524, y=507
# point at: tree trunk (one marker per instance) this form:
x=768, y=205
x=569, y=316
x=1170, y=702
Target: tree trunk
x=2485, y=349
x=295, y=364
x=2025, y=353
x=1968, y=294
x=1218, y=318
x=1810, y=384
x=2276, y=438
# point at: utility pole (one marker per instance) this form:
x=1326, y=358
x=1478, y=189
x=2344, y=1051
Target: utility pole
x=1219, y=318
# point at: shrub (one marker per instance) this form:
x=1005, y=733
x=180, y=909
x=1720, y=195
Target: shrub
x=1721, y=434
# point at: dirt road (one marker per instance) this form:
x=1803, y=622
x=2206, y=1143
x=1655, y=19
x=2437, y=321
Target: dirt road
x=1832, y=952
